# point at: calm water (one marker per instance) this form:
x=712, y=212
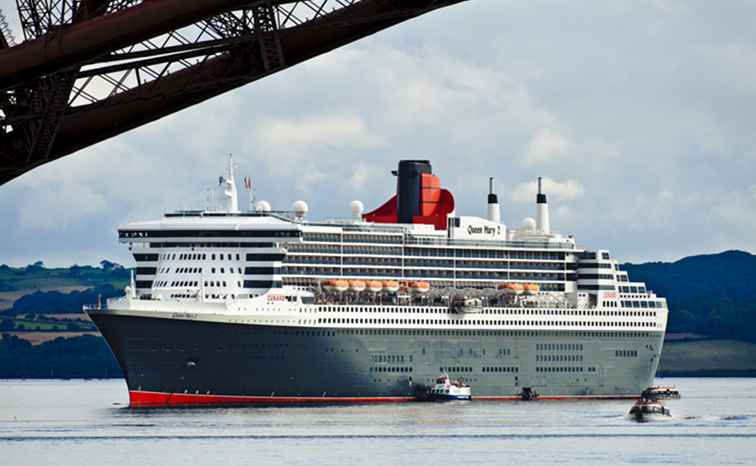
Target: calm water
x=85, y=423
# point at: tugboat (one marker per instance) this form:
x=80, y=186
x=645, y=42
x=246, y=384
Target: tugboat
x=446, y=389
x=646, y=409
x=650, y=407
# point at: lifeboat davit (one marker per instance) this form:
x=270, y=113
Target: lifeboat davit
x=357, y=285
x=532, y=288
x=420, y=287
x=391, y=286
x=511, y=288
x=374, y=286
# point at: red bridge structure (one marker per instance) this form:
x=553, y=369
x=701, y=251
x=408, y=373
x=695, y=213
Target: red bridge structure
x=88, y=70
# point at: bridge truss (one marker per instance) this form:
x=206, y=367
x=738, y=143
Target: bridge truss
x=88, y=70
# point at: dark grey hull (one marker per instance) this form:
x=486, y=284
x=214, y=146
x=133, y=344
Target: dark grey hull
x=237, y=363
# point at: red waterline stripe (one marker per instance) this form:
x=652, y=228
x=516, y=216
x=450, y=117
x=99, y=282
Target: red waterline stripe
x=142, y=399
x=558, y=397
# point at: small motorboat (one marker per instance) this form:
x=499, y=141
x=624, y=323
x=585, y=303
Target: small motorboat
x=649, y=409
x=661, y=392
x=528, y=394
x=446, y=389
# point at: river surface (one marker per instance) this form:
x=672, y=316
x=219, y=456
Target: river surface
x=85, y=423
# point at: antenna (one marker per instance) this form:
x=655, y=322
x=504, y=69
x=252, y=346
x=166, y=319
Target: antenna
x=490, y=185
x=249, y=187
x=540, y=189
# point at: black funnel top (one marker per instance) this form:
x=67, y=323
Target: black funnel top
x=541, y=197
x=408, y=188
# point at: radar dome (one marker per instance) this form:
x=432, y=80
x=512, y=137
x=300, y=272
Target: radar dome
x=529, y=224
x=263, y=206
x=300, y=209
x=357, y=209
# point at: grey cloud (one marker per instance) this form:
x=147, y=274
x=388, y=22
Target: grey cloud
x=646, y=106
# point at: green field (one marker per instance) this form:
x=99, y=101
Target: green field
x=32, y=284
x=30, y=325
x=708, y=358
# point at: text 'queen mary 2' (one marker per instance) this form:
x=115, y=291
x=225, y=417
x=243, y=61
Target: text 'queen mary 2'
x=249, y=307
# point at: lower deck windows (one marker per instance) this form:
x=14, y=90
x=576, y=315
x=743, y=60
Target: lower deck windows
x=465, y=369
x=399, y=370
x=559, y=369
x=501, y=370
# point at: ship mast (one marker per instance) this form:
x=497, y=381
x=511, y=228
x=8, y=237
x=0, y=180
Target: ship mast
x=232, y=195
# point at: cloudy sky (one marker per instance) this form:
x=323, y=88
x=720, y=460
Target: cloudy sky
x=640, y=113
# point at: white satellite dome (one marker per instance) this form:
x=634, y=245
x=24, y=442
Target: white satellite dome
x=357, y=209
x=529, y=224
x=300, y=208
x=263, y=206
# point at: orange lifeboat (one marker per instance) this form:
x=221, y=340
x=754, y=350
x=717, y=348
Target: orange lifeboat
x=532, y=288
x=391, y=286
x=335, y=285
x=328, y=285
x=420, y=287
x=511, y=288
x=374, y=286
x=357, y=285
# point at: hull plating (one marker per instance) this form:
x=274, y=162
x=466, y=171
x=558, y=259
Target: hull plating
x=173, y=362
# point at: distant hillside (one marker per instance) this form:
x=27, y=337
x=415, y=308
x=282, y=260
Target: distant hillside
x=80, y=357
x=38, y=277
x=55, y=302
x=708, y=358
x=712, y=294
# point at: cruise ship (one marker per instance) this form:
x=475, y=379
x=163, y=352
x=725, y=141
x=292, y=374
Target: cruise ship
x=236, y=306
